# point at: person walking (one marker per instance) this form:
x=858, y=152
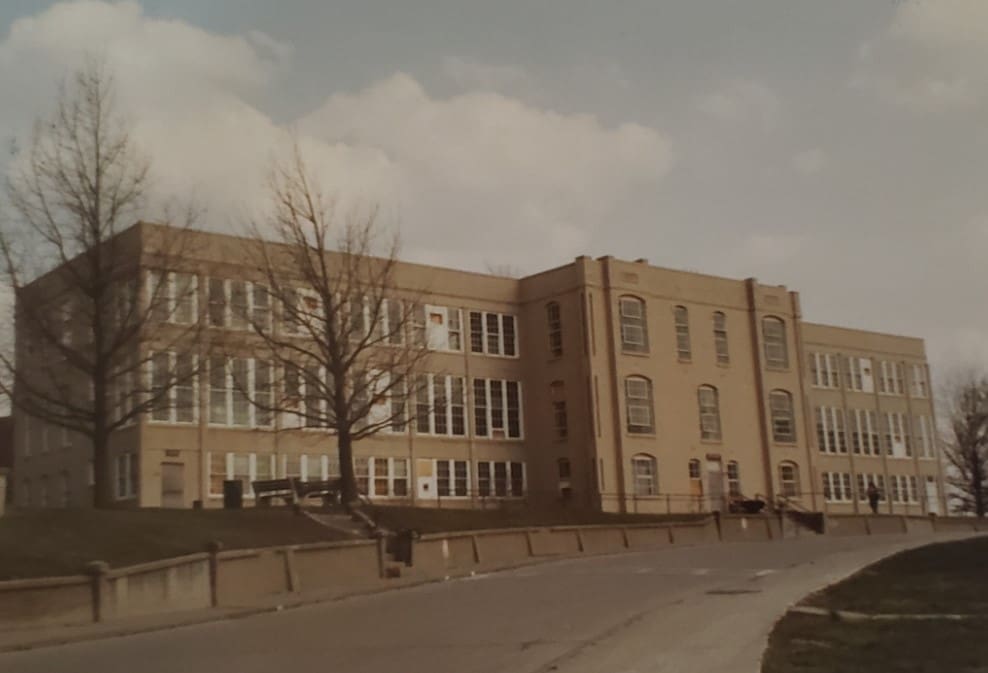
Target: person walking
x=873, y=496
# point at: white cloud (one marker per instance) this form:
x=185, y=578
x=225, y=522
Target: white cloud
x=810, y=162
x=930, y=56
x=742, y=100
x=478, y=176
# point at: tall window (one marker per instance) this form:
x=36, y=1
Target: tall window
x=638, y=401
x=645, y=474
x=720, y=338
x=709, y=412
x=683, y=350
x=557, y=394
x=634, y=330
x=789, y=479
x=890, y=379
x=493, y=334
x=776, y=349
x=830, y=434
x=555, y=325
x=694, y=469
x=862, y=426
x=497, y=408
x=440, y=405
x=733, y=478
x=173, y=296
x=500, y=479
x=783, y=421
x=919, y=385
x=173, y=387
x=233, y=383
x=857, y=374
x=824, y=371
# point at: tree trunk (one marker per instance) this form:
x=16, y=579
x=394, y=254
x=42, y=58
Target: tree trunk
x=102, y=472
x=348, y=476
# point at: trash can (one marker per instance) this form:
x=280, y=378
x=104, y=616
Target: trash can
x=404, y=544
x=233, y=494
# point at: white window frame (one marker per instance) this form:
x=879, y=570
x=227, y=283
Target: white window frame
x=833, y=438
x=489, y=409
x=632, y=323
x=501, y=319
x=509, y=482
x=776, y=350
x=838, y=487
x=390, y=474
x=639, y=403
x=898, y=443
x=172, y=393
x=230, y=390
x=919, y=385
x=825, y=371
x=651, y=487
x=451, y=464
x=125, y=486
x=925, y=437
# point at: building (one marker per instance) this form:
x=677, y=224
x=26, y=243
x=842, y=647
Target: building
x=605, y=383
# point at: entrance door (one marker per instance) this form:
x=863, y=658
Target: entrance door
x=932, y=496
x=715, y=484
x=172, y=485
x=426, y=479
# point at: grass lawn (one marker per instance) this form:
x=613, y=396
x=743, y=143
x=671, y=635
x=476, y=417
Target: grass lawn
x=44, y=543
x=943, y=578
x=431, y=520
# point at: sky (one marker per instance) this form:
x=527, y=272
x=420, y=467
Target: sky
x=839, y=148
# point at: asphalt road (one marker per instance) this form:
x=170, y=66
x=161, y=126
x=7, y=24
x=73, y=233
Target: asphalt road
x=692, y=609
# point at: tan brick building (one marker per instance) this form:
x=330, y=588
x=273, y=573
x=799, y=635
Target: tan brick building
x=603, y=382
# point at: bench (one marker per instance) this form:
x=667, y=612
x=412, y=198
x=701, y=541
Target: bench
x=292, y=489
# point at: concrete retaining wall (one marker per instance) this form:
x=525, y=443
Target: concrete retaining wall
x=236, y=578
x=56, y=601
x=175, y=584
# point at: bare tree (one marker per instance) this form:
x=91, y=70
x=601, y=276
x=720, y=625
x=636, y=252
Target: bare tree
x=350, y=341
x=967, y=446
x=78, y=361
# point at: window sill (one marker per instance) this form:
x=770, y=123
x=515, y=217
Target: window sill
x=715, y=442
x=780, y=370
x=495, y=439
x=642, y=435
x=790, y=443
x=636, y=354
x=723, y=365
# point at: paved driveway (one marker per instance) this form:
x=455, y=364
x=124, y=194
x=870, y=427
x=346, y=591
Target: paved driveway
x=692, y=609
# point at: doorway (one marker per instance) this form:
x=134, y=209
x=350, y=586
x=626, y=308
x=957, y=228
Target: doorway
x=173, y=485
x=715, y=484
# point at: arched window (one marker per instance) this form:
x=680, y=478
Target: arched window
x=683, y=350
x=783, y=422
x=776, y=349
x=709, y=412
x=638, y=404
x=560, y=422
x=634, y=330
x=789, y=479
x=694, y=468
x=645, y=474
x=720, y=338
x=555, y=325
x=733, y=479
